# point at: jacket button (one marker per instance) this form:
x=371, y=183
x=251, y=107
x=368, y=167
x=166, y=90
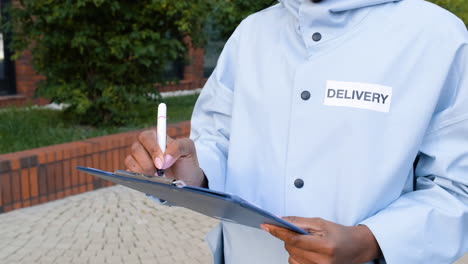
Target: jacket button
x=316, y=1
x=299, y=183
x=305, y=95
x=317, y=36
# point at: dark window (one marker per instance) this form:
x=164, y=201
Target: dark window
x=7, y=70
x=213, y=48
x=174, y=71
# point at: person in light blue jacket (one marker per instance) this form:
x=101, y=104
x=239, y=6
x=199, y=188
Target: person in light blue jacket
x=352, y=116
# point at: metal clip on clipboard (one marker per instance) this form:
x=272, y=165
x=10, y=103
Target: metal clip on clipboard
x=158, y=179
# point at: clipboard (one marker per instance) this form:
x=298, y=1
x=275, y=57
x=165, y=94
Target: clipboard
x=219, y=205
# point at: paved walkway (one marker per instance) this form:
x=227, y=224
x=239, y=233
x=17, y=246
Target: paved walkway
x=111, y=225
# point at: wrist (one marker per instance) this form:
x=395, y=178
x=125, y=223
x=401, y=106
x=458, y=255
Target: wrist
x=367, y=247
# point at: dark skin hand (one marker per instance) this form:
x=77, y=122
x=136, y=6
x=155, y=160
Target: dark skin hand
x=330, y=243
x=179, y=159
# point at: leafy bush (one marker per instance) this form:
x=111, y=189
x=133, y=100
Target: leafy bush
x=103, y=57
x=227, y=14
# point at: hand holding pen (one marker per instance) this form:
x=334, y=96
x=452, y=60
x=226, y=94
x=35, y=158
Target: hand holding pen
x=154, y=151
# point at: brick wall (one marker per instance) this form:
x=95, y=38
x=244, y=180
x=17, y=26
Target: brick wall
x=25, y=82
x=26, y=78
x=44, y=174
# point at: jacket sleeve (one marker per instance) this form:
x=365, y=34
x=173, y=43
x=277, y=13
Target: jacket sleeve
x=211, y=118
x=430, y=224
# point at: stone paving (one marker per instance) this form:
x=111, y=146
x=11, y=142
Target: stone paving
x=111, y=225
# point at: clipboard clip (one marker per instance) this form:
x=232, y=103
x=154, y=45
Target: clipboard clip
x=140, y=176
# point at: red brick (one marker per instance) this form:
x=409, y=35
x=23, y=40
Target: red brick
x=51, y=179
x=89, y=163
x=43, y=199
x=58, y=172
x=26, y=203
x=16, y=186
x=109, y=161
x=34, y=185
x=42, y=157
x=74, y=172
x=34, y=201
x=15, y=165
x=7, y=208
x=42, y=179
x=58, y=155
x=67, y=153
x=102, y=161
x=122, y=154
x=25, y=193
x=46, y=176
x=67, y=174
x=52, y=196
x=5, y=186
x=96, y=163
x=81, y=175
x=116, y=162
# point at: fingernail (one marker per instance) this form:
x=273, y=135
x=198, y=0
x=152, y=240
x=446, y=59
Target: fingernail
x=159, y=163
x=168, y=160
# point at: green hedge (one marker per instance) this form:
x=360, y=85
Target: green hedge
x=103, y=57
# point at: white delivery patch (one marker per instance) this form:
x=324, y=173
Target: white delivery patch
x=358, y=95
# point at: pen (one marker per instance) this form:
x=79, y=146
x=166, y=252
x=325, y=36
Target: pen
x=161, y=131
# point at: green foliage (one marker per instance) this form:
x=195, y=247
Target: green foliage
x=458, y=7
x=104, y=57
x=26, y=128
x=227, y=14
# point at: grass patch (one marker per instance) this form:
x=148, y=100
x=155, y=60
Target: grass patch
x=27, y=127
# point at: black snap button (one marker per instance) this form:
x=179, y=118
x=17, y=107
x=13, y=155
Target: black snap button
x=299, y=183
x=305, y=95
x=317, y=36
x=316, y=1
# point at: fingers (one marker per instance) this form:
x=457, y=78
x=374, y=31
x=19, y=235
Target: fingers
x=316, y=226
x=178, y=148
x=149, y=141
x=307, y=242
x=144, y=160
x=132, y=164
x=306, y=223
x=304, y=256
x=291, y=260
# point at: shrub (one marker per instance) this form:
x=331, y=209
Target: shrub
x=103, y=57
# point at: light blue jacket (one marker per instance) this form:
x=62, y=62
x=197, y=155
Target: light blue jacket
x=345, y=96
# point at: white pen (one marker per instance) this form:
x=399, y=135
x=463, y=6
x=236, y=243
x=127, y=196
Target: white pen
x=161, y=131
